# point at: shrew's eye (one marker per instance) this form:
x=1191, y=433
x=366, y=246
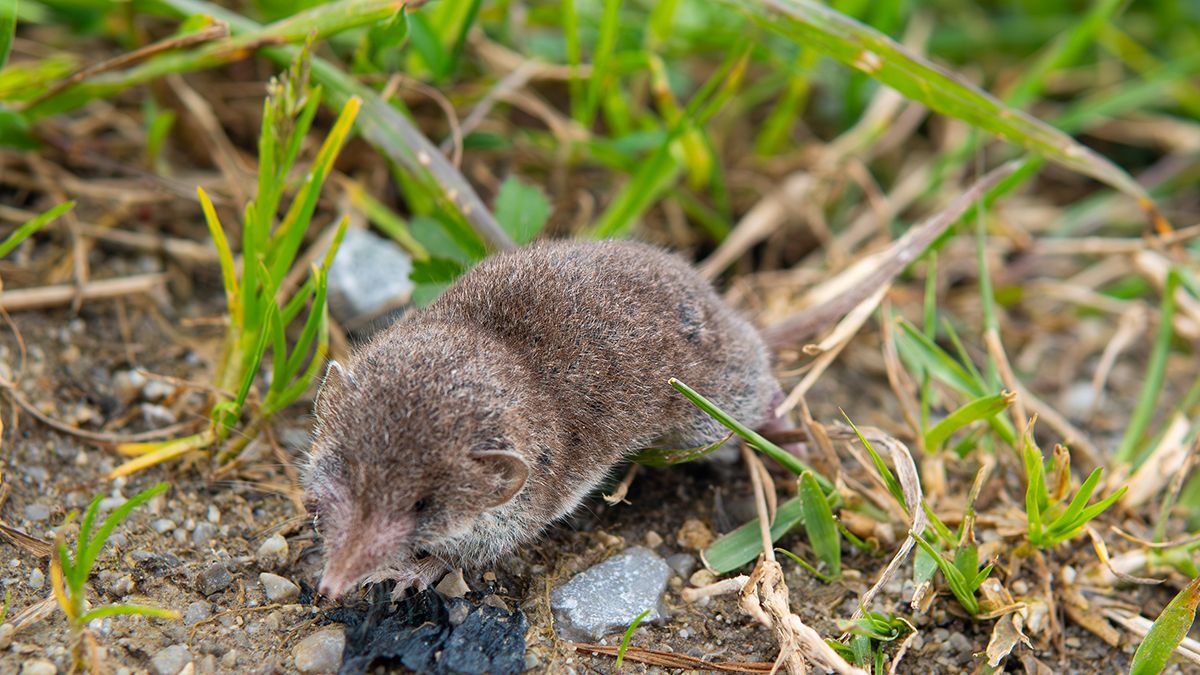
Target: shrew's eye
x=421, y=505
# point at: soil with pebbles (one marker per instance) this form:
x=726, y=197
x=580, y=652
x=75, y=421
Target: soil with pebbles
x=196, y=548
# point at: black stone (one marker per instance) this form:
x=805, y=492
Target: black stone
x=416, y=634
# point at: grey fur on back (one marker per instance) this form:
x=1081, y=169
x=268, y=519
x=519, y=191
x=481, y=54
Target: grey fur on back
x=603, y=326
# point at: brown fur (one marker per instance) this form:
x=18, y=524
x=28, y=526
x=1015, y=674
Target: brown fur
x=535, y=374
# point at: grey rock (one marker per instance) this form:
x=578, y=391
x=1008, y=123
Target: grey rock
x=163, y=525
x=157, y=390
x=203, y=534
x=320, y=652
x=683, y=564
x=196, y=612
x=40, y=667
x=127, y=385
x=214, y=579
x=277, y=588
x=37, y=512
x=109, y=503
x=609, y=596
x=959, y=644
x=170, y=660
x=273, y=552
x=37, y=579
x=368, y=276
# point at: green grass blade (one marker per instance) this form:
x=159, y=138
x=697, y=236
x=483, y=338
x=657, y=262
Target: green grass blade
x=8, y=29
x=1131, y=443
x=923, y=352
x=312, y=326
x=602, y=75
x=287, y=239
x=625, y=638
x=385, y=219
x=126, y=610
x=224, y=253
x=1035, y=489
x=1168, y=631
x=889, y=479
x=813, y=25
x=984, y=408
x=75, y=574
x=1088, y=515
x=958, y=584
x=785, y=458
x=31, y=226
x=318, y=23
x=118, y=515
x=662, y=457
x=820, y=525
x=744, y=544
x=807, y=567
x=1064, y=521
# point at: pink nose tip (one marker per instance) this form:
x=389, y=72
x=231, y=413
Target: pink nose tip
x=329, y=589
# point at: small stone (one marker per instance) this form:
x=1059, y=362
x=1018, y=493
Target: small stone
x=273, y=553
x=229, y=659
x=157, y=415
x=171, y=660
x=40, y=667
x=959, y=644
x=457, y=612
x=694, y=535
x=214, y=579
x=701, y=578
x=163, y=525
x=127, y=385
x=157, y=390
x=653, y=539
x=368, y=277
x=277, y=588
x=683, y=564
x=109, y=503
x=6, y=635
x=36, y=579
x=196, y=612
x=203, y=534
x=213, y=515
x=609, y=596
x=320, y=652
x=37, y=512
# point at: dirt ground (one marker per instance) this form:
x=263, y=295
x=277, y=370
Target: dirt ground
x=194, y=548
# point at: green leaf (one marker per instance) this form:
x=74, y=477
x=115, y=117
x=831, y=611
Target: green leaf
x=958, y=584
x=1130, y=450
x=984, y=408
x=661, y=457
x=889, y=479
x=119, y=514
x=15, y=131
x=1168, y=631
x=625, y=639
x=744, y=544
x=521, y=209
x=820, y=525
x=31, y=226
x=125, y=610
x=785, y=458
x=436, y=271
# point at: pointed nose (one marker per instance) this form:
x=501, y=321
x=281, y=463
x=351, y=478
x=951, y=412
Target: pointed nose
x=331, y=588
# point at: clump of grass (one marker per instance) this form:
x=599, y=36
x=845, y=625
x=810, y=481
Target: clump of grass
x=260, y=311
x=69, y=572
x=1050, y=521
x=869, y=634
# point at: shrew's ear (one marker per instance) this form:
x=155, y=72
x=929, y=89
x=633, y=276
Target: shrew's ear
x=510, y=470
